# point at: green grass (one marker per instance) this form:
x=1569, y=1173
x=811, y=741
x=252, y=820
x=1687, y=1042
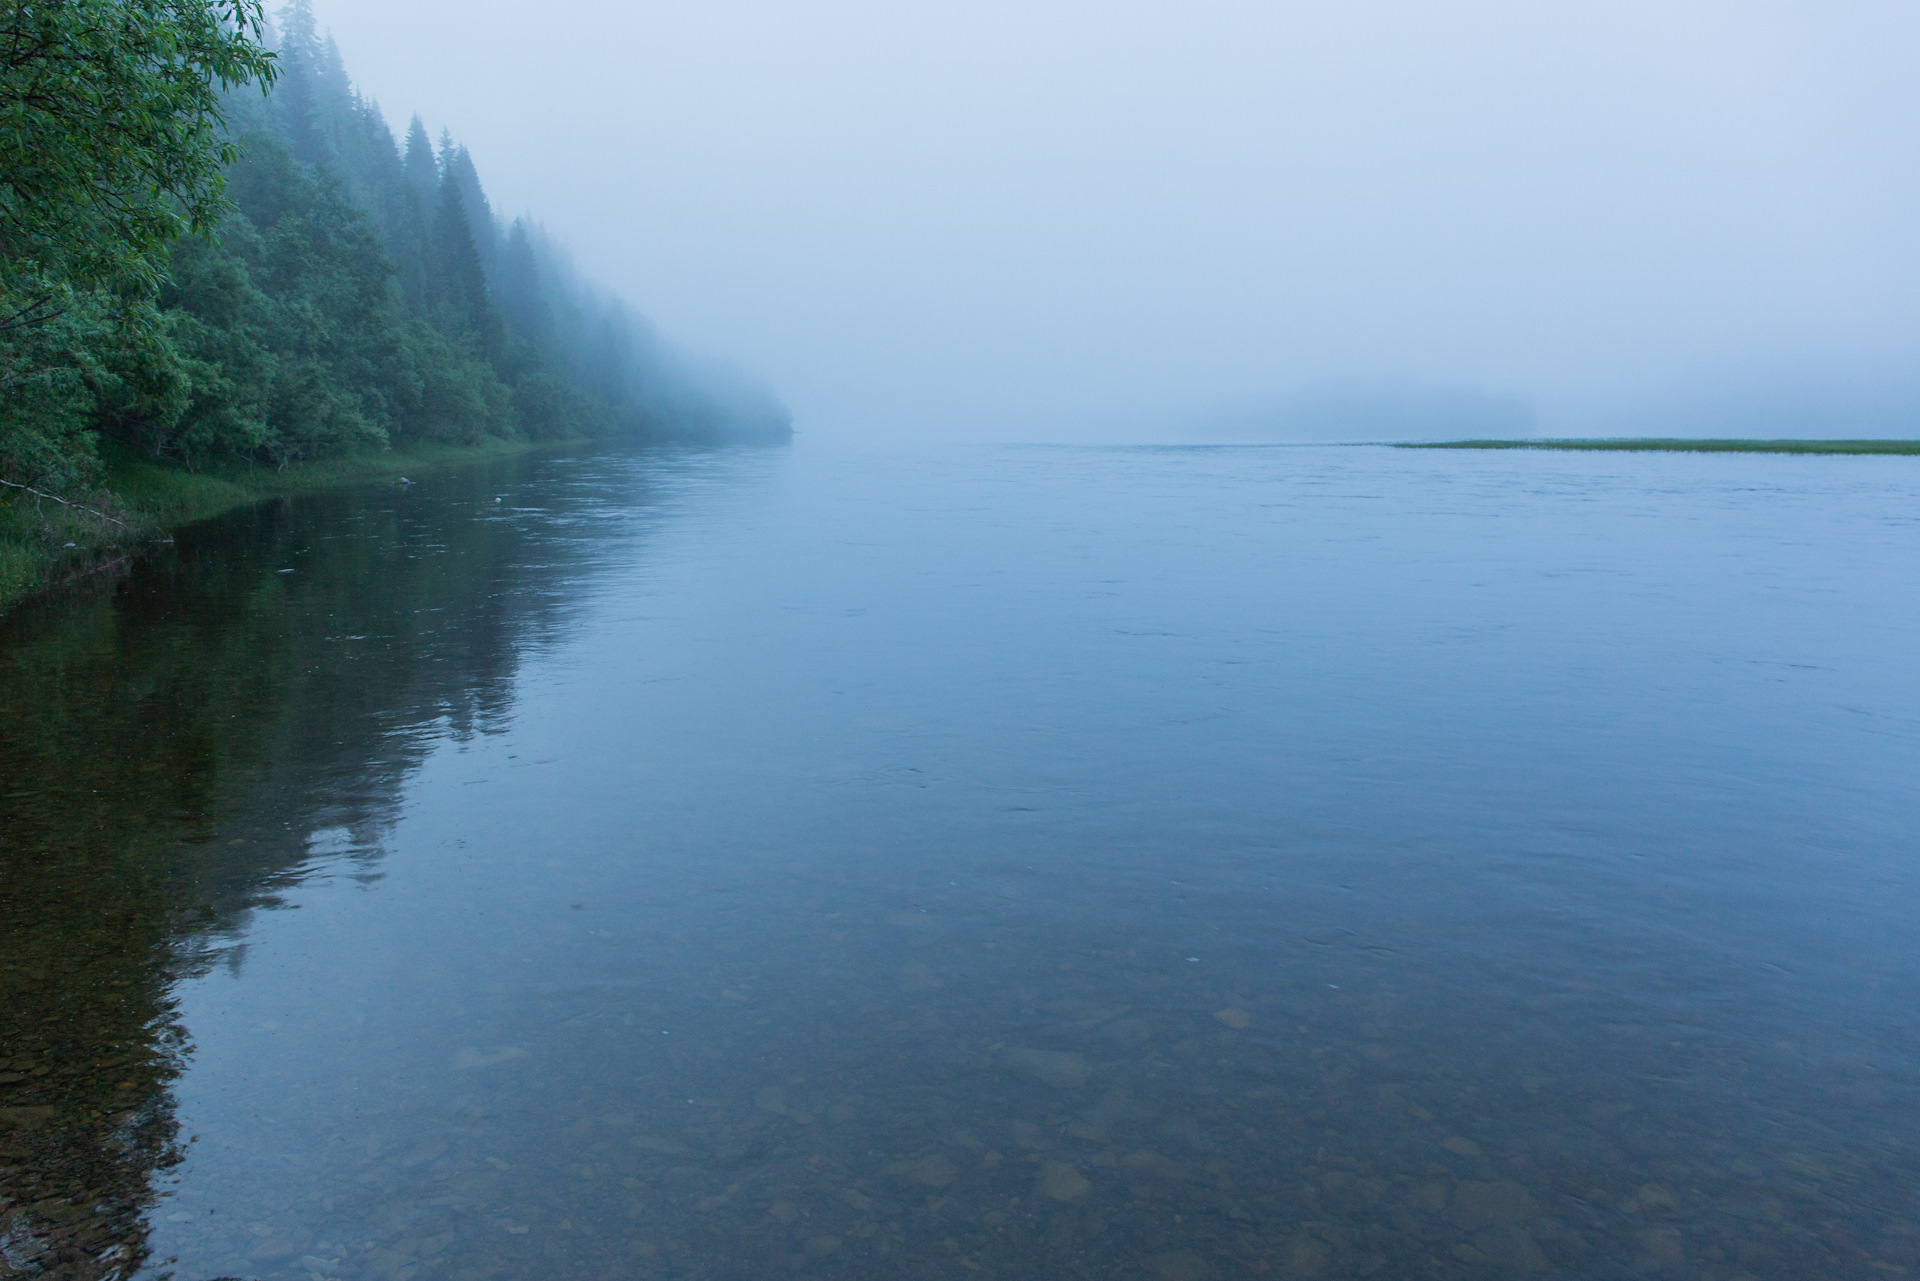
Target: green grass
x=169, y=496
x=45, y=544
x=20, y=569
x=1681, y=446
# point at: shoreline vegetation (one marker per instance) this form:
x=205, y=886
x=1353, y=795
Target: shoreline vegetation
x=51, y=543
x=1680, y=445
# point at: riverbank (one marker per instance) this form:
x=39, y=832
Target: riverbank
x=50, y=542
x=1675, y=445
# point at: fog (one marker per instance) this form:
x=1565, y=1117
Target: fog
x=1224, y=218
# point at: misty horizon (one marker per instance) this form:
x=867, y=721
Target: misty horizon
x=1134, y=222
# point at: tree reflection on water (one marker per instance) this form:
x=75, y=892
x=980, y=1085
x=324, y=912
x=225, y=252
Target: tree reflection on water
x=167, y=752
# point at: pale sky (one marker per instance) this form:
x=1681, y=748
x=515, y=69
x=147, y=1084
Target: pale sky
x=1065, y=220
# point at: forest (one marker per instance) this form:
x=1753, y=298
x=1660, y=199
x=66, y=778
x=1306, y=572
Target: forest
x=215, y=253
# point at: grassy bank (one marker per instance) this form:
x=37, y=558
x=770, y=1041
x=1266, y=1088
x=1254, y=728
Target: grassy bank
x=48, y=541
x=1682, y=446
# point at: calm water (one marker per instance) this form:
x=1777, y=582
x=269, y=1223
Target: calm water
x=997, y=862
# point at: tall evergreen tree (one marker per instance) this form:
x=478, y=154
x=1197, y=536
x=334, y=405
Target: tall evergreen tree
x=458, y=285
x=302, y=111
x=486, y=234
x=330, y=75
x=517, y=290
x=422, y=169
x=376, y=175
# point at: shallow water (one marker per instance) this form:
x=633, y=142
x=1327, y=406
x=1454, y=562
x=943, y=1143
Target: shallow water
x=997, y=862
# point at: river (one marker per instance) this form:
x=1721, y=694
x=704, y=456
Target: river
x=979, y=861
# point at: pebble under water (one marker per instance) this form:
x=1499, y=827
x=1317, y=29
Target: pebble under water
x=978, y=862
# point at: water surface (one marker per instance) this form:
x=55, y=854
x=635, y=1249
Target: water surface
x=997, y=862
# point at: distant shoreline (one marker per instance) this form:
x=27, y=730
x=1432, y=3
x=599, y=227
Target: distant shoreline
x=1676, y=445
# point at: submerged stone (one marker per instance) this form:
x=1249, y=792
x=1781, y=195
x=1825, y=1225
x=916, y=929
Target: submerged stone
x=470, y=1057
x=1306, y=1255
x=1062, y=1182
x=1060, y=1068
x=1511, y=1249
x=1479, y=1204
x=934, y=1171
x=1180, y=1265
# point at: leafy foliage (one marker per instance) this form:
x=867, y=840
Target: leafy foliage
x=208, y=275
x=110, y=144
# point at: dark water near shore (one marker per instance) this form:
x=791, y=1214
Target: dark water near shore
x=997, y=862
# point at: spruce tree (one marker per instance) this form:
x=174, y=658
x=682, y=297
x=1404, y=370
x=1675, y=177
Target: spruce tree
x=423, y=171
x=301, y=111
x=517, y=290
x=457, y=284
x=330, y=77
x=486, y=236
